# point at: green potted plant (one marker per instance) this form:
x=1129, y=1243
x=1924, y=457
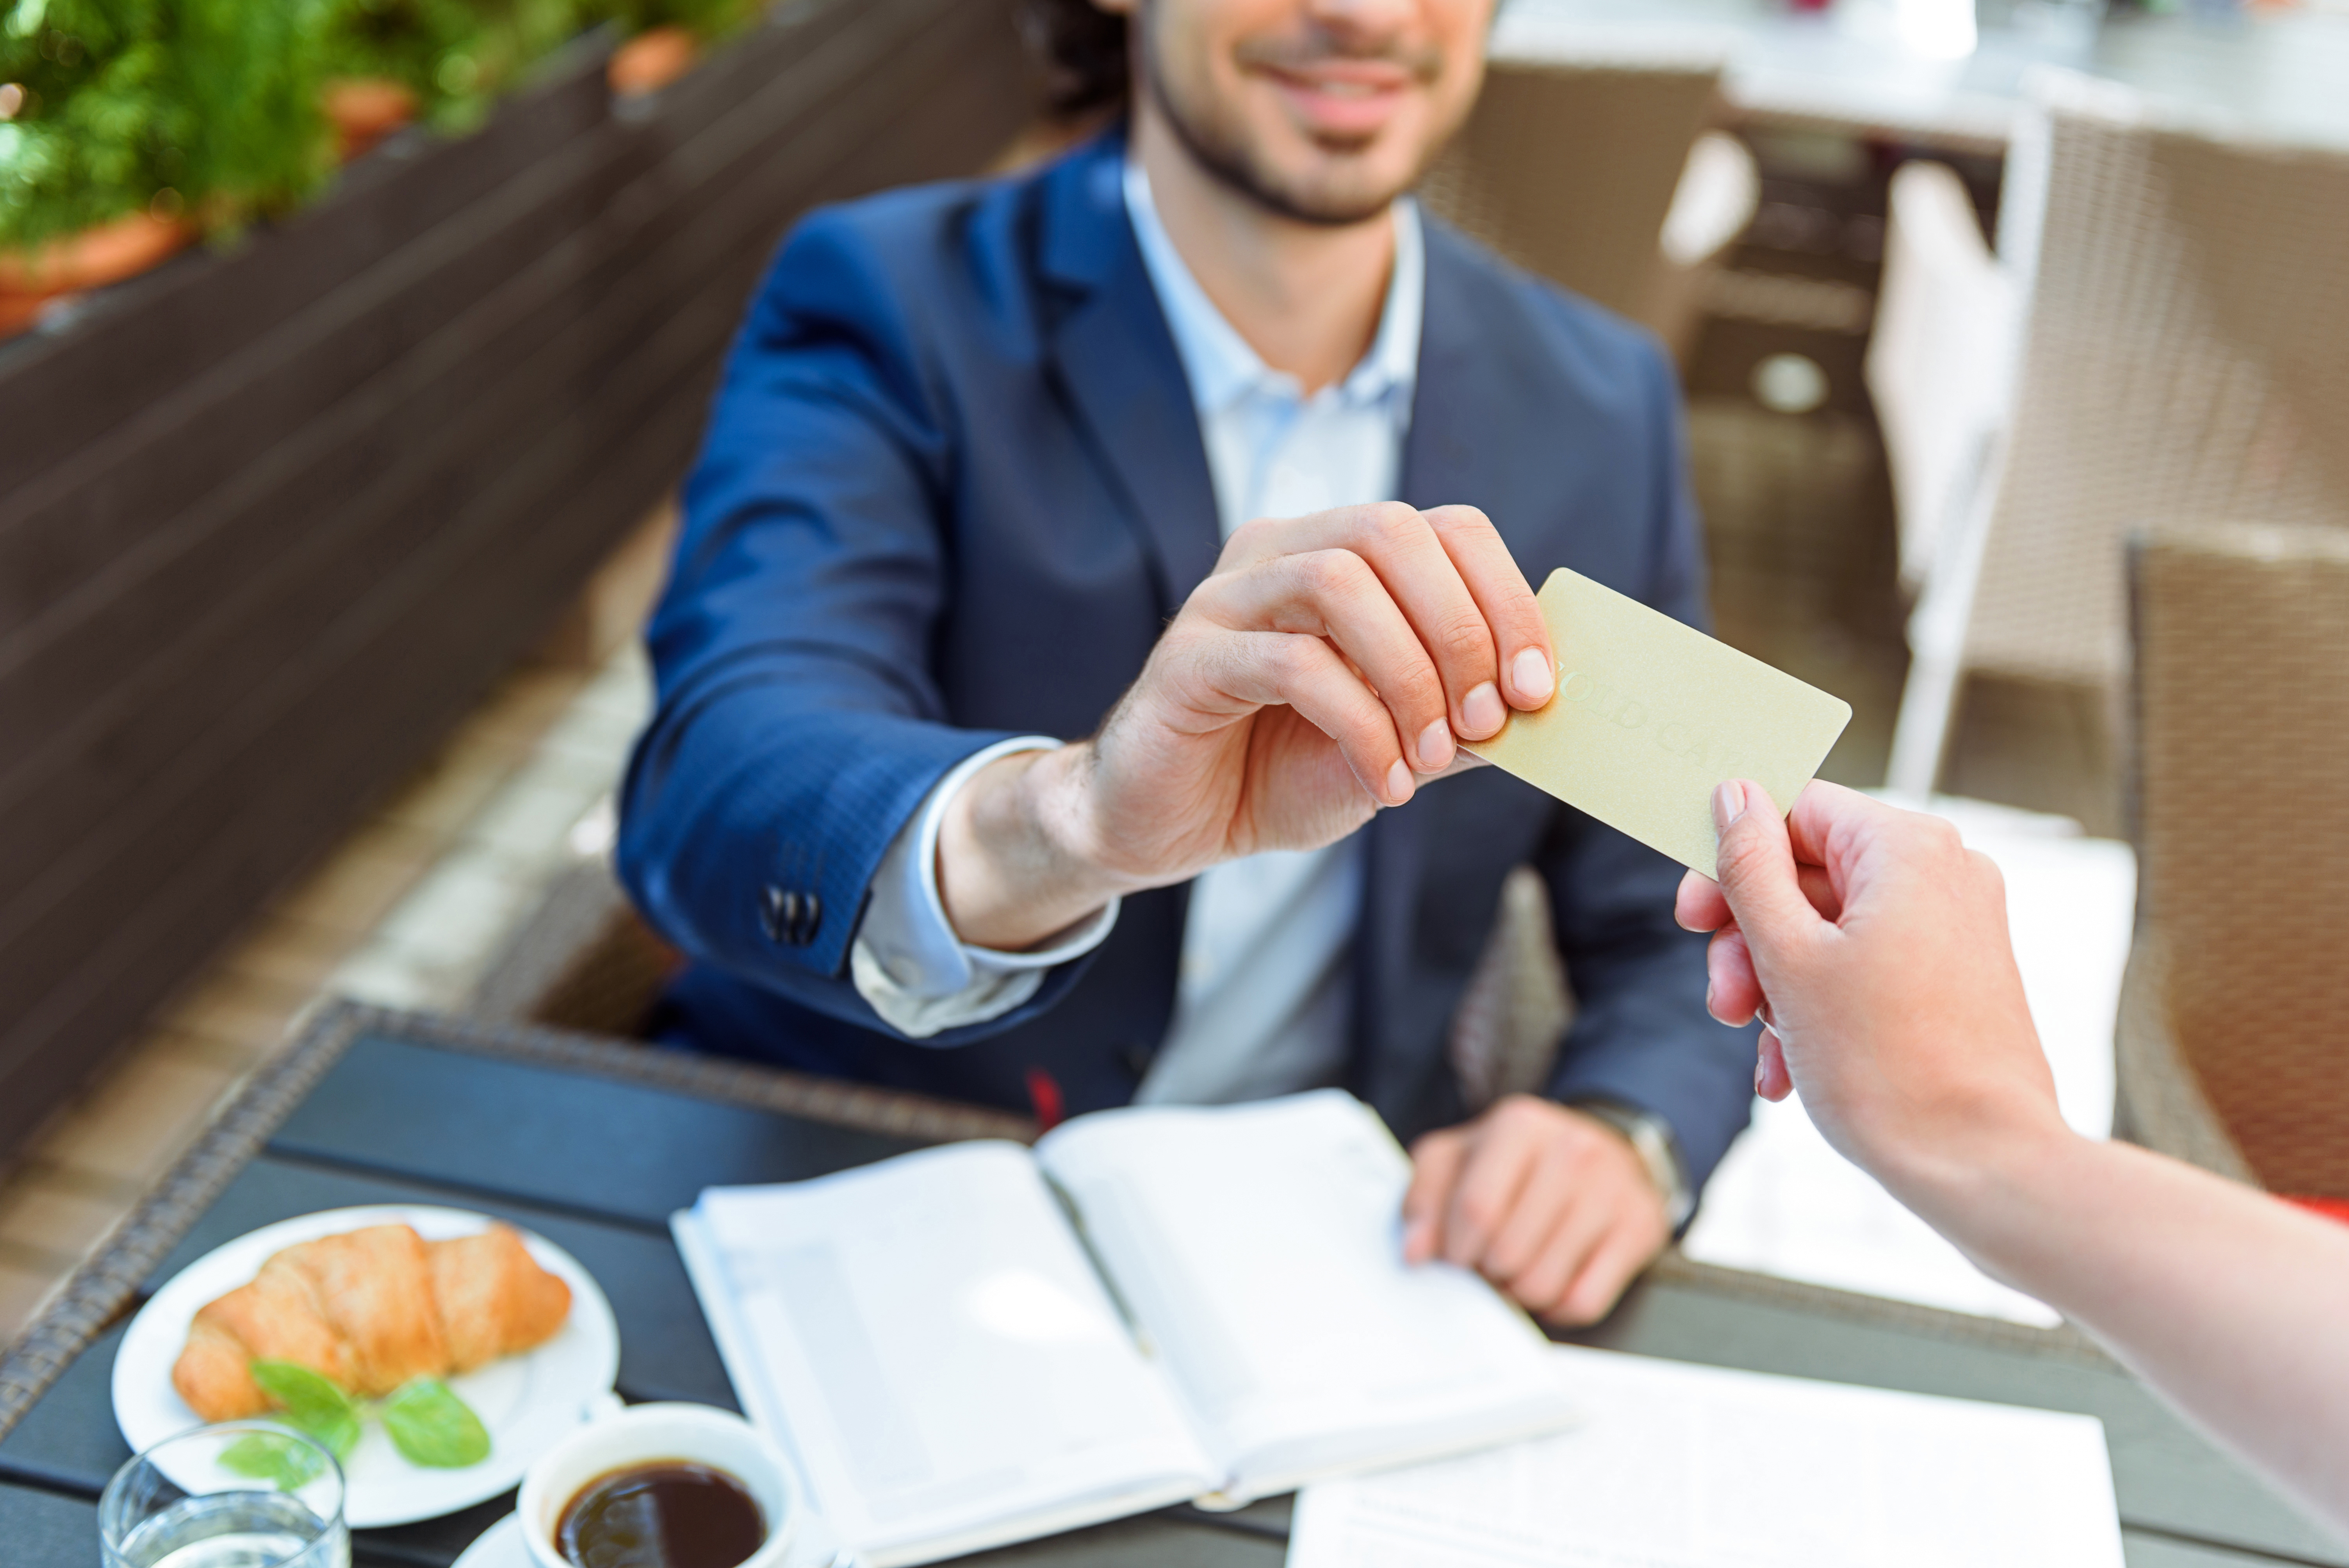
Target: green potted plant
x=133, y=124
x=440, y=61
x=667, y=36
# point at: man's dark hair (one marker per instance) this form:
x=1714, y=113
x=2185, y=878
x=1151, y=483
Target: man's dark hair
x=1082, y=49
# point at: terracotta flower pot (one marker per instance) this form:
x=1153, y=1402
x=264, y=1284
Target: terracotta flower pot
x=652, y=59
x=364, y=110
x=106, y=254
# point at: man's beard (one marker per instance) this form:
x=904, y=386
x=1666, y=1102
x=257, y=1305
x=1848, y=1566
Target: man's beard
x=1225, y=152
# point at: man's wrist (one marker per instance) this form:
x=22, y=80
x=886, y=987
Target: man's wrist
x=1013, y=861
x=1652, y=1139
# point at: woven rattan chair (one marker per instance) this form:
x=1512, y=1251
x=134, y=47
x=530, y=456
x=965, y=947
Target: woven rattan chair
x=1506, y=1032
x=1712, y=206
x=2232, y=1044
x=1568, y=168
x=2183, y=353
x=1939, y=366
x=584, y=960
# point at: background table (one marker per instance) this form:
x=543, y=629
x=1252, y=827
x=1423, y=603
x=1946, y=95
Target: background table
x=594, y=1143
x=2274, y=74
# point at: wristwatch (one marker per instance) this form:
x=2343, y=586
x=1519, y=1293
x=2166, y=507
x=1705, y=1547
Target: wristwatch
x=1651, y=1139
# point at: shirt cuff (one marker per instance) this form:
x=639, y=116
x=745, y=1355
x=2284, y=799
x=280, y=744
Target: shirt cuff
x=906, y=960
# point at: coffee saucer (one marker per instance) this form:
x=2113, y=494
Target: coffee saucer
x=501, y=1546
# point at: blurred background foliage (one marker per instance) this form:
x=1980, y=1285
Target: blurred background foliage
x=212, y=111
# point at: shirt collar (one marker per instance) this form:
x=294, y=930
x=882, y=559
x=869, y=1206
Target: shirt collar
x=1221, y=365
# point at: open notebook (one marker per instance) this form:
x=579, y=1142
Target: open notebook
x=981, y=1343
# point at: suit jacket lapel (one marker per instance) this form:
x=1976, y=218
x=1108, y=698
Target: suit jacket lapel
x=1119, y=369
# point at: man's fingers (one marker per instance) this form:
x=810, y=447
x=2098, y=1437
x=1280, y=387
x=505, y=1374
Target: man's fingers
x=1619, y=1254
x=1528, y=663
x=1334, y=593
x=1497, y=1166
x=1541, y=1208
x=1272, y=668
x=1435, y=1161
x=1542, y=1287
x=1420, y=573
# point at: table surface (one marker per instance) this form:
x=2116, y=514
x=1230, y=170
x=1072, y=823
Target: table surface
x=2274, y=74
x=594, y=1144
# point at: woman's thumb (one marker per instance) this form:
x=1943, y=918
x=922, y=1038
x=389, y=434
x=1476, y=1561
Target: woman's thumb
x=1755, y=867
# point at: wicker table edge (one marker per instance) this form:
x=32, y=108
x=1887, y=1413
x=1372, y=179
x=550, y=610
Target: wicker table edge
x=107, y=1282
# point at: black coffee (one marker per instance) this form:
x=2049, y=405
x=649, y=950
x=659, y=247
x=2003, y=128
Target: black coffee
x=667, y=1514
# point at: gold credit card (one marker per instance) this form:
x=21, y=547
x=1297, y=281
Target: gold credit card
x=1652, y=715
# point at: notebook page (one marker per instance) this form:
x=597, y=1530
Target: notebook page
x=1260, y=1247
x=946, y=1365
x=1677, y=1466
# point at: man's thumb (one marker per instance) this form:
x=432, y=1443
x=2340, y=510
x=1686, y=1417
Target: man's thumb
x=1755, y=867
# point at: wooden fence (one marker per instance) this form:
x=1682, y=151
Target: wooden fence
x=274, y=521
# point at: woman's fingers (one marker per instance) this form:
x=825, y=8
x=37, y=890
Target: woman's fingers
x=1772, y=1081
x=1731, y=992
x=1699, y=906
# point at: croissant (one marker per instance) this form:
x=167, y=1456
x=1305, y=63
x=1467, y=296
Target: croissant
x=370, y=1309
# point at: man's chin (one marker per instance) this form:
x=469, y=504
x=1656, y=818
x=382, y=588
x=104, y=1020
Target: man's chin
x=1335, y=187
x=1335, y=204
x=1321, y=177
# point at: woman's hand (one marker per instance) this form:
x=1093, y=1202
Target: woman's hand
x=1874, y=945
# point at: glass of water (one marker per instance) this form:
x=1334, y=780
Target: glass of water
x=243, y=1494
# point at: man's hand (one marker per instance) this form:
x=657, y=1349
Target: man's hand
x=1329, y=662
x=1555, y=1207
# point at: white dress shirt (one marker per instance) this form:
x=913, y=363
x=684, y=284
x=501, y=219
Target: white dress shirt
x=1265, y=1001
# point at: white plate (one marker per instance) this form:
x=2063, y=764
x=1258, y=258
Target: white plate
x=501, y=1546
x=527, y=1401
x=498, y=1546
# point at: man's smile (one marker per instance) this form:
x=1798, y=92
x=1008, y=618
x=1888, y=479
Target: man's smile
x=1334, y=96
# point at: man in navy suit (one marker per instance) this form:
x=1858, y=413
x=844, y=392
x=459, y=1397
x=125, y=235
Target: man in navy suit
x=1082, y=589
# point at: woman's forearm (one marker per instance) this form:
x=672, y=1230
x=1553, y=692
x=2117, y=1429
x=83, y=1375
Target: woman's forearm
x=2232, y=1304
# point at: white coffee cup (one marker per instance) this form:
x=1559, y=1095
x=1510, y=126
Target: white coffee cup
x=649, y=1434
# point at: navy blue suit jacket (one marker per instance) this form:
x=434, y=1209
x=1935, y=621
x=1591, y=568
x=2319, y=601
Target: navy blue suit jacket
x=952, y=490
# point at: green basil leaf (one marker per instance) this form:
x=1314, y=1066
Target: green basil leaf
x=432, y=1427
x=312, y=1403
x=288, y=1463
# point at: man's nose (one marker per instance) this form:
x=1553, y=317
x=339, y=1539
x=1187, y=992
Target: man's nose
x=1361, y=18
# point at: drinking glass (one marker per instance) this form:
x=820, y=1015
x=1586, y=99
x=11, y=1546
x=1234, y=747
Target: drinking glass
x=243, y=1495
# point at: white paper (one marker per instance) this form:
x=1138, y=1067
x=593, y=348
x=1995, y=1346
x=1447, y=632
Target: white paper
x=1783, y=1202
x=940, y=1353
x=1678, y=1466
x=1260, y=1247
